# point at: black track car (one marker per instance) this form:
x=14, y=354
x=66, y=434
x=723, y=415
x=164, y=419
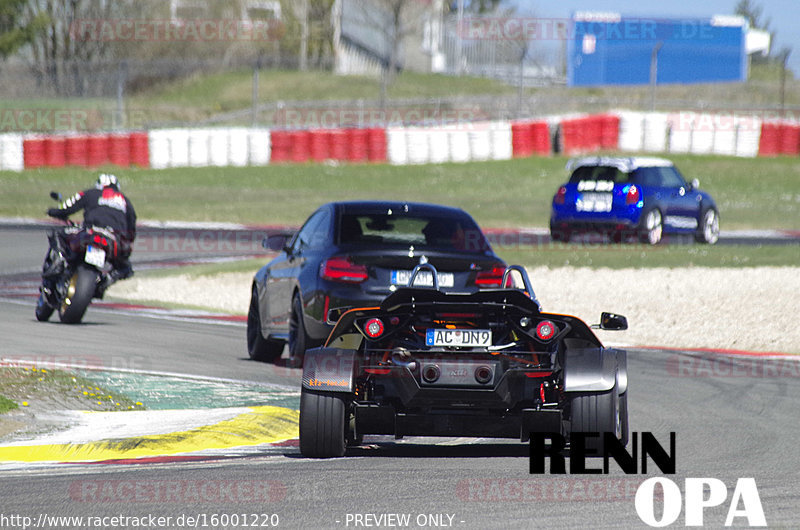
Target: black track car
x=354, y=254
x=486, y=364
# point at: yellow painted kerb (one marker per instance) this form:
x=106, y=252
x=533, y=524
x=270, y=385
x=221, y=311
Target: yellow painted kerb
x=262, y=425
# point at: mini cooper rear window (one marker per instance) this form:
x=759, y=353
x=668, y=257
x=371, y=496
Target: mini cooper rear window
x=606, y=173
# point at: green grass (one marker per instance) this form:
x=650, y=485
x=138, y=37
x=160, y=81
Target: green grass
x=234, y=89
x=58, y=389
x=761, y=193
x=7, y=405
x=201, y=96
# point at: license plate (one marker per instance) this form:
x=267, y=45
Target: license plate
x=458, y=337
x=594, y=202
x=424, y=278
x=95, y=256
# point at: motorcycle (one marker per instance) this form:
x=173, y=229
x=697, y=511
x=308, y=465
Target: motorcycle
x=75, y=269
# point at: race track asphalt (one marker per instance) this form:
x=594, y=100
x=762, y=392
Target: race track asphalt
x=734, y=416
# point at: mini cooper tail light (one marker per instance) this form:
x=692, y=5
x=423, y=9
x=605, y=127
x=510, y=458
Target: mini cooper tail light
x=632, y=196
x=545, y=330
x=373, y=328
x=561, y=195
x=341, y=269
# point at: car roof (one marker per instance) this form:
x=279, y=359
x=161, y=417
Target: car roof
x=626, y=164
x=395, y=206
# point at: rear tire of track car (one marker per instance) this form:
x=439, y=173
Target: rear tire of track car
x=322, y=424
x=298, y=338
x=43, y=309
x=708, y=228
x=651, y=227
x=259, y=348
x=80, y=291
x=597, y=412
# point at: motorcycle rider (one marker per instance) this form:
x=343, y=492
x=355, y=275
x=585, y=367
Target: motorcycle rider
x=103, y=206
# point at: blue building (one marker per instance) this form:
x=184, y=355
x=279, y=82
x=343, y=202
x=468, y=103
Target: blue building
x=609, y=49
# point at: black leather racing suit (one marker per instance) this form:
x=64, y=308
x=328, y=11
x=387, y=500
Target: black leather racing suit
x=107, y=208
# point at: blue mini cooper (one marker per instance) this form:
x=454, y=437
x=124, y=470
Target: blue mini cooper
x=640, y=196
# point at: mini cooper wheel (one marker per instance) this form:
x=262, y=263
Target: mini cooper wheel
x=708, y=228
x=259, y=348
x=322, y=424
x=651, y=228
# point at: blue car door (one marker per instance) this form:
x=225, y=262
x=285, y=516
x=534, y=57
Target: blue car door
x=680, y=200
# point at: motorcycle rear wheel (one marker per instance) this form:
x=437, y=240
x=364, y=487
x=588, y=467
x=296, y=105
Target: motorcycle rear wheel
x=80, y=290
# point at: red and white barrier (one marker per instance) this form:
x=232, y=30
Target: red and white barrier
x=656, y=131
x=678, y=132
x=631, y=131
x=11, y=153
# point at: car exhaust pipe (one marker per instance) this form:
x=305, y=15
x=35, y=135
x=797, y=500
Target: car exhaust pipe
x=484, y=374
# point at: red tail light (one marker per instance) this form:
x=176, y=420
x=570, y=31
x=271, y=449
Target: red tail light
x=560, y=195
x=341, y=269
x=374, y=328
x=632, y=197
x=545, y=330
x=490, y=278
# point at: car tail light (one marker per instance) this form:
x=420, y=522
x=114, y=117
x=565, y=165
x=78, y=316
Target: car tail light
x=373, y=328
x=561, y=195
x=491, y=278
x=632, y=196
x=341, y=269
x=545, y=330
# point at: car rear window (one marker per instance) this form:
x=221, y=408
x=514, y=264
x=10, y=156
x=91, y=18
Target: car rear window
x=420, y=231
x=607, y=173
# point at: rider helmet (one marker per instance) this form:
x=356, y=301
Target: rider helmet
x=105, y=180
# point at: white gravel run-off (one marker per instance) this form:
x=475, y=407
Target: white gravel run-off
x=731, y=308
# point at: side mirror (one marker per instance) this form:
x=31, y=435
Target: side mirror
x=275, y=242
x=55, y=196
x=612, y=322
x=694, y=184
